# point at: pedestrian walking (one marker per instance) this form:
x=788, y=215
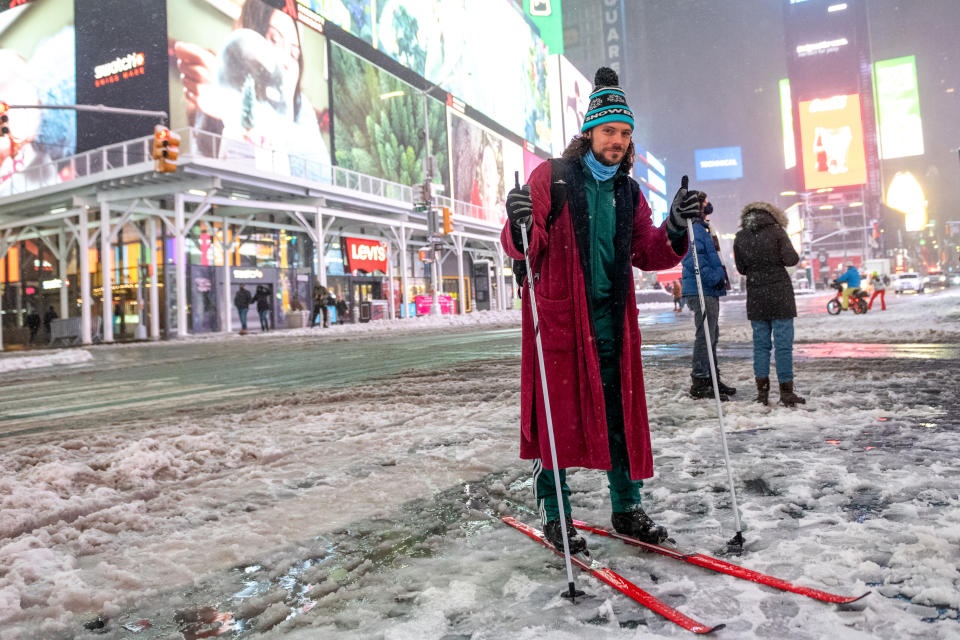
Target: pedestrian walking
x=32, y=321
x=48, y=317
x=242, y=301
x=341, y=306
x=264, y=304
x=588, y=226
x=879, y=289
x=714, y=279
x=320, y=296
x=763, y=251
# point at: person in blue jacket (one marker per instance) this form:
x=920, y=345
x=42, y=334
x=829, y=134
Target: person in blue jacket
x=714, y=279
x=851, y=280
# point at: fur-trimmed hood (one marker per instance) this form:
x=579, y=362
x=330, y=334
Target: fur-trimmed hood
x=759, y=214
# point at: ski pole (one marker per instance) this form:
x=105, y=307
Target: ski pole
x=737, y=540
x=572, y=592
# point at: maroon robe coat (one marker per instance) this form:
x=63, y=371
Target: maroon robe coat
x=566, y=329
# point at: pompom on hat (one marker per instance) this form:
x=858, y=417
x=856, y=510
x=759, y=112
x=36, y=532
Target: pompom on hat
x=607, y=102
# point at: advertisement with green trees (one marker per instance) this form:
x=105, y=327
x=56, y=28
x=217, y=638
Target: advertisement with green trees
x=378, y=123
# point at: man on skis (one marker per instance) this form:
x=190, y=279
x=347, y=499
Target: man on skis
x=588, y=225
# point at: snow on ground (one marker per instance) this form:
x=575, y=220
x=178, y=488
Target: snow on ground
x=370, y=511
x=58, y=358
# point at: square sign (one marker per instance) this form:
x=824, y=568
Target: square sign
x=723, y=163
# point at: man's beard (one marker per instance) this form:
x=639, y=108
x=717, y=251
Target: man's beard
x=603, y=159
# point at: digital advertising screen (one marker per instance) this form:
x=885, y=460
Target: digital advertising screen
x=37, y=66
x=824, y=42
x=831, y=134
x=484, y=52
x=721, y=163
x=254, y=81
x=121, y=62
x=482, y=166
x=786, y=122
x=571, y=90
x=378, y=123
x=898, y=108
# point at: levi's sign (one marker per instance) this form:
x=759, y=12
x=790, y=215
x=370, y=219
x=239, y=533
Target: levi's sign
x=366, y=255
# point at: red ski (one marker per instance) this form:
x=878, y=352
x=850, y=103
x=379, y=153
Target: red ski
x=618, y=582
x=721, y=566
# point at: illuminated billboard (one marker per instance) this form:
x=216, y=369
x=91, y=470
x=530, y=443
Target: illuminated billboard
x=378, y=123
x=786, y=122
x=898, y=108
x=125, y=69
x=485, y=53
x=482, y=167
x=249, y=73
x=37, y=48
x=831, y=137
x=570, y=91
x=722, y=163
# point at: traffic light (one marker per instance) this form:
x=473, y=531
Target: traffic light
x=4, y=119
x=447, y=221
x=166, y=149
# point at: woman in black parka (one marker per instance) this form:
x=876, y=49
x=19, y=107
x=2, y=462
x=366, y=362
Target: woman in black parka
x=763, y=251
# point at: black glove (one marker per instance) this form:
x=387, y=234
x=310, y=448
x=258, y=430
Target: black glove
x=520, y=207
x=686, y=204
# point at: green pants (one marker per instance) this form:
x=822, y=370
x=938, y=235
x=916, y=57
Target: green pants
x=624, y=492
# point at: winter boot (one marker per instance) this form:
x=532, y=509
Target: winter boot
x=637, y=524
x=724, y=389
x=555, y=536
x=787, y=397
x=763, y=390
x=703, y=388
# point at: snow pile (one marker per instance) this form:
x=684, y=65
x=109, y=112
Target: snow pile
x=58, y=358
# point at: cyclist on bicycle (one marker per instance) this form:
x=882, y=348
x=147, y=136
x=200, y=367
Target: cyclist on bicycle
x=851, y=280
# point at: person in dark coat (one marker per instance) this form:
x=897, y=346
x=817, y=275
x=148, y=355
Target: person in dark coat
x=583, y=263
x=763, y=251
x=341, y=305
x=33, y=323
x=242, y=302
x=51, y=315
x=713, y=278
x=320, y=295
x=262, y=298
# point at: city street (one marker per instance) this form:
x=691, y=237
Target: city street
x=346, y=483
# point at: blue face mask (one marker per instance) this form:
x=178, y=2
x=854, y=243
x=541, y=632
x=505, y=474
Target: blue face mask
x=599, y=170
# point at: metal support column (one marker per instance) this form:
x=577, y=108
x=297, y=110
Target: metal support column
x=154, y=279
x=227, y=322
x=390, y=283
x=402, y=237
x=106, y=271
x=501, y=294
x=458, y=243
x=83, y=259
x=321, y=244
x=181, y=258
x=62, y=262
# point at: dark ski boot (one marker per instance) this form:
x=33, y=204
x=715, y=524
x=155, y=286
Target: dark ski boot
x=724, y=389
x=555, y=536
x=703, y=388
x=637, y=524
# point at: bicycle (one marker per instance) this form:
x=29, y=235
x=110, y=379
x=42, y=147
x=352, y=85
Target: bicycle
x=857, y=301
